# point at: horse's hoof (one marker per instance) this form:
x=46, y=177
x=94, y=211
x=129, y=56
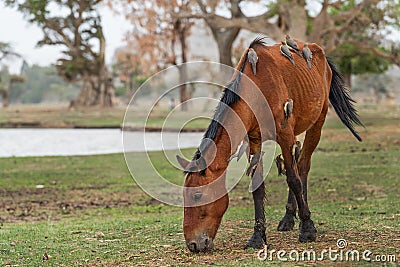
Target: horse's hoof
x=286, y=224
x=308, y=233
x=256, y=241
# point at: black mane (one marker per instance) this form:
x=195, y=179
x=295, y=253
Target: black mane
x=229, y=97
x=259, y=40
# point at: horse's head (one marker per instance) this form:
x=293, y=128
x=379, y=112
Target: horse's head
x=206, y=201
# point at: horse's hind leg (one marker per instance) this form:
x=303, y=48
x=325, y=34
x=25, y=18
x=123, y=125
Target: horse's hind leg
x=311, y=141
x=287, y=222
x=307, y=232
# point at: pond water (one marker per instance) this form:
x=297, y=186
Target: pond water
x=66, y=142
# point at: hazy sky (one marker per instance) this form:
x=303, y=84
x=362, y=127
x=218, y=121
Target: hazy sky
x=24, y=36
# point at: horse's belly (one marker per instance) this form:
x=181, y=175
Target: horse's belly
x=308, y=102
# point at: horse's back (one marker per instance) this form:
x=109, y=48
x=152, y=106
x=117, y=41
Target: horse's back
x=279, y=80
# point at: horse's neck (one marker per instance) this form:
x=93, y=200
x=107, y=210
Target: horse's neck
x=224, y=146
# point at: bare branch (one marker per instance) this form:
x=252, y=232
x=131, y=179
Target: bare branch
x=202, y=6
x=392, y=57
x=345, y=15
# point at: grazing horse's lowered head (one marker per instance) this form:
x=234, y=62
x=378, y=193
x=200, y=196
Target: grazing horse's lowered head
x=276, y=82
x=202, y=213
x=205, y=196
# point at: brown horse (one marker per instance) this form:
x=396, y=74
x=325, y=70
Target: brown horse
x=278, y=80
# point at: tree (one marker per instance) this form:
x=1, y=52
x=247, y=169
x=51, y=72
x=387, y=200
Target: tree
x=6, y=50
x=356, y=54
x=128, y=69
x=42, y=84
x=352, y=60
x=6, y=82
x=223, y=36
x=4, y=92
x=79, y=31
x=364, y=24
x=374, y=84
x=159, y=38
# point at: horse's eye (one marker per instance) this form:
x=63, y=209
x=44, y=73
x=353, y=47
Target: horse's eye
x=197, y=196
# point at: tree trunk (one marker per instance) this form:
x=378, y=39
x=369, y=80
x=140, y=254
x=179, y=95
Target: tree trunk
x=225, y=54
x=96, y=91
x=225, y=39
x=4, y=93
x=183, y=96
x=4, y=96
x=347, y=80
x=297, y=19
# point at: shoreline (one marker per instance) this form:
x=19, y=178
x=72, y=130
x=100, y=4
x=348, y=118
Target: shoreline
x=38, y=125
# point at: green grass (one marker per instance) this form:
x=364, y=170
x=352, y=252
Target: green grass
x=353, y=191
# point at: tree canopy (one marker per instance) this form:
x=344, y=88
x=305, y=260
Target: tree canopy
x=76, y=26
x=158, y=38
x=352, y=60
x=36, y=84
x=356, y=33
x=7, y=79
x=364, y=24
x=6, y=50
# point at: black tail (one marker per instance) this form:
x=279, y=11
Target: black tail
x=342, y=102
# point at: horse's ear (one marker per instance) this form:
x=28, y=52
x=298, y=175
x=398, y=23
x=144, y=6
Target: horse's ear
x=183, y=162
x=192, y=166
x=196, y=165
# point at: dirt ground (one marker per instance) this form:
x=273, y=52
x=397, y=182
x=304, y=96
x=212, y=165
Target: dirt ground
x=41, y=203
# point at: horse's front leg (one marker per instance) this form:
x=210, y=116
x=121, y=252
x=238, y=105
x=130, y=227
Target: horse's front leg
x=258, y=238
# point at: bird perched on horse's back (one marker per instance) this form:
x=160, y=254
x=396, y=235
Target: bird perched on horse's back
x=292, y=45
x=285, y=51
x=307, y=54
x=253, y=59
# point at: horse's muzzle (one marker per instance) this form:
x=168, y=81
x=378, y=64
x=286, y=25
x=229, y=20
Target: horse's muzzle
x=202, y=244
